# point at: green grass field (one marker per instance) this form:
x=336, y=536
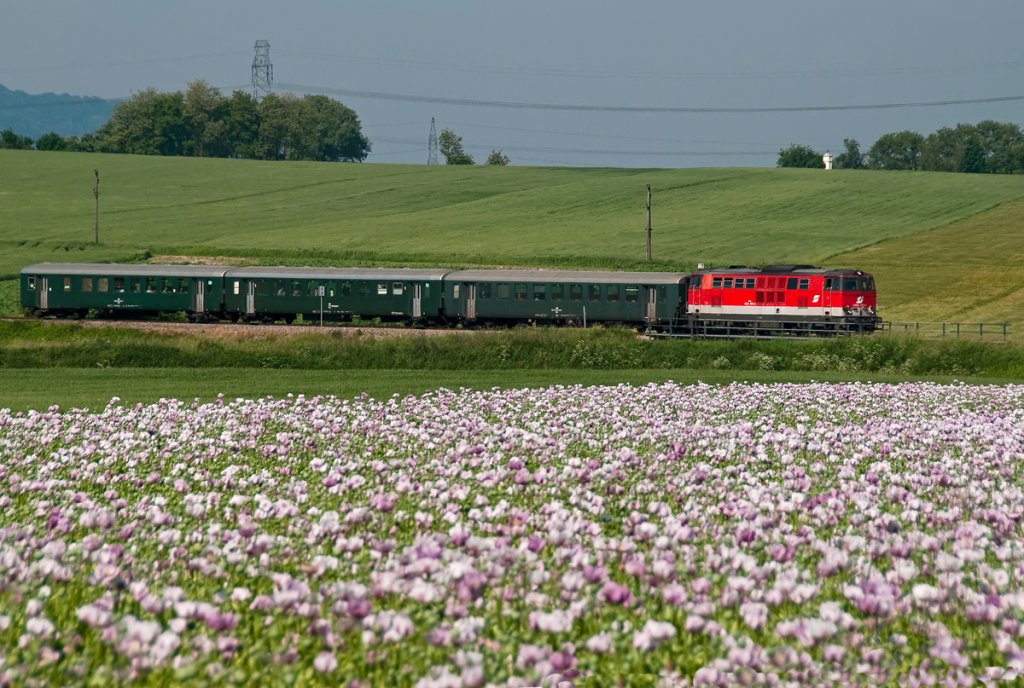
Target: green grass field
x=944, y=247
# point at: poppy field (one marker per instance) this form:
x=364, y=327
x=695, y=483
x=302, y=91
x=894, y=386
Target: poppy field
x=654, y=535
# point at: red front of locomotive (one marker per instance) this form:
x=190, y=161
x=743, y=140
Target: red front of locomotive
x=788, y=295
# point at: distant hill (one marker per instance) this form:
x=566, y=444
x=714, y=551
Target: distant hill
x=33, y=115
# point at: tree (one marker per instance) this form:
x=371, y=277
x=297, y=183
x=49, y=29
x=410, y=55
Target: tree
x=799, y=156
x=242, y=125
x=898, y=151
x=148, y=123
x=852, y=158
x=450, y=145
x=497, y=157
x=51, y=141
x=8, y=139
x=338, y=134
x=204, y=110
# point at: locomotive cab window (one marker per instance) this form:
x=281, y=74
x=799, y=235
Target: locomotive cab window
x=849, y=284
x=828, y=284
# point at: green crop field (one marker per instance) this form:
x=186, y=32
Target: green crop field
x=943, y=246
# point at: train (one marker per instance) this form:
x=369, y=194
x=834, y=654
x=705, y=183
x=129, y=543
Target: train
x=730, y=301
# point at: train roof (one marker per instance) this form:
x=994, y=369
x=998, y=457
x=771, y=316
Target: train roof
x=582, y=276
x=126, y=269
x=306, y=273
x=778, y=270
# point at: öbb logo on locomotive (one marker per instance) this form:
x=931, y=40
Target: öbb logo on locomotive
x=736, y=300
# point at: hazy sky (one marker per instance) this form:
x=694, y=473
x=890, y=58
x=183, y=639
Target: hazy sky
x=624, y=84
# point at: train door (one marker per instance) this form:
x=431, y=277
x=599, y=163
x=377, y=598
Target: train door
x=651, y=306
x=250, y=297
x=470, y=302
x=417, y=300
x=43, y=293
x=199, y=295
x=831, y=284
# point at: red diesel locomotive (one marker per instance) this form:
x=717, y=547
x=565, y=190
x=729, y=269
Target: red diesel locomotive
x=777, y=299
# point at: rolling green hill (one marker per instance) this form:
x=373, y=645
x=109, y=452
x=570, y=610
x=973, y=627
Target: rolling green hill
x=943, y=246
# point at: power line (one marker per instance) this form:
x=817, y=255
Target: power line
x=436, y=100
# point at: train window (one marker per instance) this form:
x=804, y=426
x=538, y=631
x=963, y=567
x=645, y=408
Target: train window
x=236, y=288
x=695, y=281
x=87, y=284
x=865, y=284
x=538, y=292
x=455, y=291
x=613, y=292
x=136, y=285
x=151, y=285
x=382, y=288
x=31, y=283
x=520, y=291
x=279, y=287
x=662, y=293
x=503, y=291
x=632, y=293
x=119, y=284
x=750, y=283
x=576, y=292
x=397, y=288
x=849, y=284
x=312, y=289
x=182, y=286
x=727, y=282
x=828, y=284
x=804, y=282
x=791, y=283
x=167, y=285
x=484, y=291
x=101, y=284
x=67, y=284
x=557, y=292
x=364, y=289
x=594, y=292
x=296, y=288
x=716, y=283
x=346, y=289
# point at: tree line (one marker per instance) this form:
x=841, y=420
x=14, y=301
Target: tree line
x=988, y=147
x=203, y=123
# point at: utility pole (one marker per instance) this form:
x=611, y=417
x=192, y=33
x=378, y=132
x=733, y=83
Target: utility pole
x=262, y=70
x=648, y=223
x=96, y=193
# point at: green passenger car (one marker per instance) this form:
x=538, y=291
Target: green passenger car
x=73, y=289
x=391, y=294
x=648, y=299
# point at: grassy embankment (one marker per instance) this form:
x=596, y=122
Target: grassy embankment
x=44, y=363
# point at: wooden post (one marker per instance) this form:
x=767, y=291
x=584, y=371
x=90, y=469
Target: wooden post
x=96, y=193
x=648, y=223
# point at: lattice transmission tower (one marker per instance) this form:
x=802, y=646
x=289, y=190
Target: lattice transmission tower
x=262, y=70
x=432, y=144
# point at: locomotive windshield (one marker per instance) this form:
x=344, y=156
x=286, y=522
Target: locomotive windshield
x=851, y=283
